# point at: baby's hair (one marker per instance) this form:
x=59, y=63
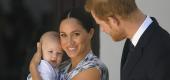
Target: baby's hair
x=52, y=34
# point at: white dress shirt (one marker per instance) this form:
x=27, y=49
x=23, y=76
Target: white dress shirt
x=141, y=30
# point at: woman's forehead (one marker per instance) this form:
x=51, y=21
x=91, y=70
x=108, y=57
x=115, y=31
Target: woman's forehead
x=70, y=23
x=71, y=20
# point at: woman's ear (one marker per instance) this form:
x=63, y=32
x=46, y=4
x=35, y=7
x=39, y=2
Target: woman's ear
x=91, y=32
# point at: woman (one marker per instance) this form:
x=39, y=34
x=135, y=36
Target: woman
x=76, y=31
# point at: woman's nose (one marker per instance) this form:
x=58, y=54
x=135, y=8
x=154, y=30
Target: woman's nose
x=71, y=41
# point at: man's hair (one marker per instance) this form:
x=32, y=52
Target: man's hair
x=111, y=8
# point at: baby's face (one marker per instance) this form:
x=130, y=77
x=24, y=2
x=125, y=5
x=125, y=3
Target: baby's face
x=52, y=52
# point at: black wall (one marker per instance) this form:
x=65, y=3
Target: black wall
x=21, y=24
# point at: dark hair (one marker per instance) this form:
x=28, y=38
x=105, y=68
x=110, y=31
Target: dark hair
x=81, y=15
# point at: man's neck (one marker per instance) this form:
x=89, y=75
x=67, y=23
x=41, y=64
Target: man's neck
x=134, y=23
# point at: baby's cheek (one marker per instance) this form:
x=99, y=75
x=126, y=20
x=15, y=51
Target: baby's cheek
x=46, y=58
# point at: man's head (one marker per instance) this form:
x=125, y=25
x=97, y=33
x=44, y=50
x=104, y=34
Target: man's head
x=111, y=8
x=111, y=15
x=51, y=48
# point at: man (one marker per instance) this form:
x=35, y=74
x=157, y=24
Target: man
x=146, y=53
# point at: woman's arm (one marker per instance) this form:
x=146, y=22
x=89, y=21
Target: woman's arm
x=35, y=62
x=89, y=74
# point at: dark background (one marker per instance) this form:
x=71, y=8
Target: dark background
x=21, y=24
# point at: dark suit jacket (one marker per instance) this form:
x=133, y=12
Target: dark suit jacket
x=150, y=60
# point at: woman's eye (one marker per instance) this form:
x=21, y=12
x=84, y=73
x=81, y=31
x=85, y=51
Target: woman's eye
x=76, y=34
x=50, y=51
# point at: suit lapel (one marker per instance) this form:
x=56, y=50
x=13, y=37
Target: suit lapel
x=133, y=59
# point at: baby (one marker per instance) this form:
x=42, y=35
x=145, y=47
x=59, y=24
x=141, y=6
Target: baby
x=52, y=55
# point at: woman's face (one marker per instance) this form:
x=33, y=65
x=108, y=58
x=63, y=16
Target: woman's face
x=75, y=40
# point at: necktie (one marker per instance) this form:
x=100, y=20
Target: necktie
x=130, y=49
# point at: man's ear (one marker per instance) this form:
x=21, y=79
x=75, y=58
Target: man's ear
x=113, y=21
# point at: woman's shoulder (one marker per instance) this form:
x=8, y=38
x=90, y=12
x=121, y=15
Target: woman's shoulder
x=94, y=60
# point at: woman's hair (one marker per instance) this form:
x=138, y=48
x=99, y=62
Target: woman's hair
x=111, y=8
x=83, y=17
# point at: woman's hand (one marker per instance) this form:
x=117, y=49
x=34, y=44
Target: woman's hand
x=37, y=56
x=35, y=62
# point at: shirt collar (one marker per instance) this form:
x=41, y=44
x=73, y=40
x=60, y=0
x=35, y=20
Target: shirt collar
x=141, y=30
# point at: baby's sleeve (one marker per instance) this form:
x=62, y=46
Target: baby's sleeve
x=47, y=72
